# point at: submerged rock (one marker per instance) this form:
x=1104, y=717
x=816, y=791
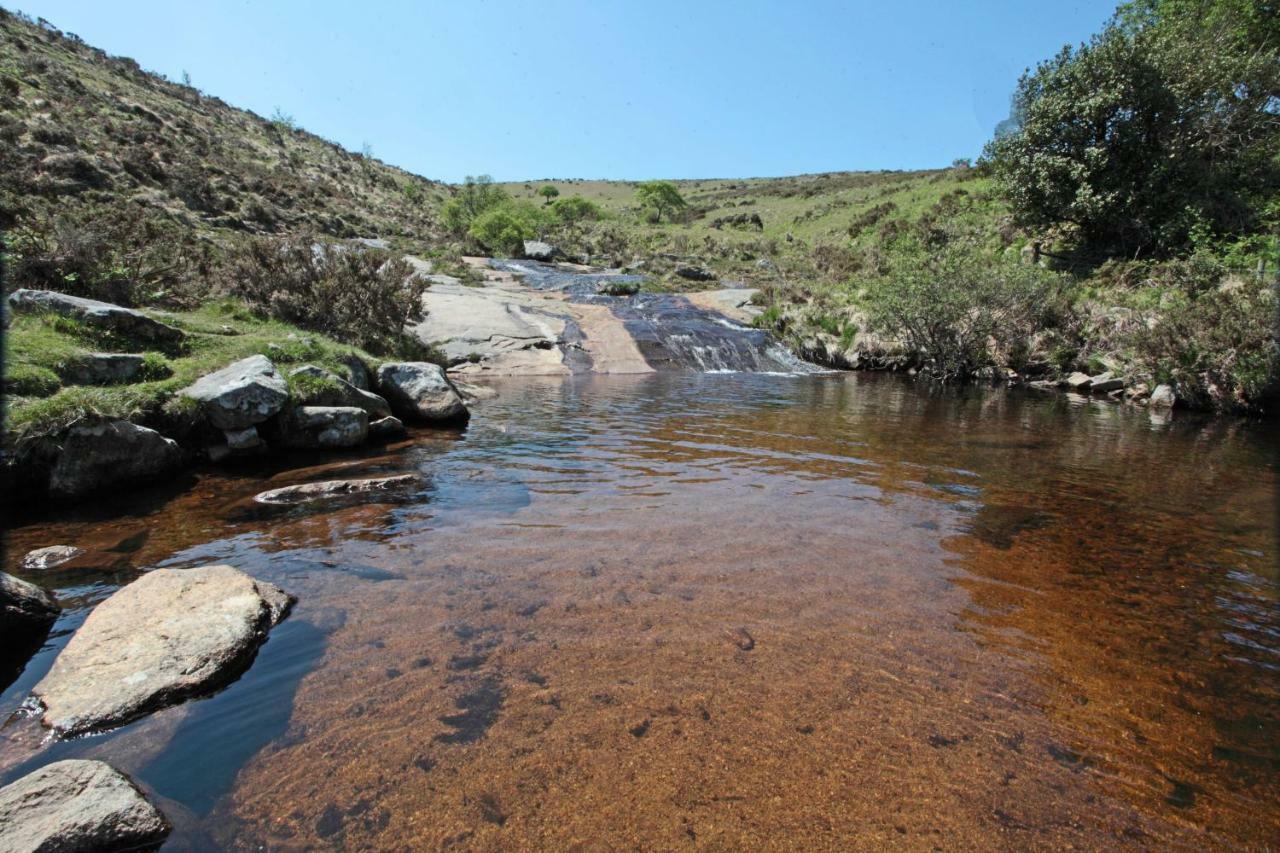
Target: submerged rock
x=91, y=312
x=26, y=611
x=241, y=394
x=77, y=806
x=49, y=557
x=419, y=391
x=325, y=426
x=110, y=454
x=168, y=635
x=307, y=492
x=69, y=558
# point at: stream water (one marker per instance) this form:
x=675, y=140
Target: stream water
x=730, y=611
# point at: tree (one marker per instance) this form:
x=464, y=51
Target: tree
x=1165, y=124
x=502, y=229
x=548, y=192
x=476, y=195
x=661, y=196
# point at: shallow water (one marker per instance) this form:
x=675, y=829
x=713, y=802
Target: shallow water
x=732, y=611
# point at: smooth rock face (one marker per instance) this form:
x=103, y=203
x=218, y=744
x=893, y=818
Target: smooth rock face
x=1162, y=397
x=77, y=806
x=166, y=636
x=326, y=426
x=307, y=492
x=104, y=315
x=111, y=454
x=49, y=557
x=419, y=391
x=25, y=609
x=536, y=250
x=342, y=393
x=241, y=394
x=106, y=368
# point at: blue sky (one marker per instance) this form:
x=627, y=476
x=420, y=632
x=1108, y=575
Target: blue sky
x=606, y=89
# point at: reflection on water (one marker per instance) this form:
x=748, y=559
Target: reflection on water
x=731, y=611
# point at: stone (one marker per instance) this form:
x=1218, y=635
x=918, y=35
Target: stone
x=1105, y=382
x=389, y=428
x=70, y=558
x=243, y=439
x=536, y=250
x=1078, y=381
x=325, y=426
x=105, y=368
x=1162, y=397
x=110, y=454
x=339, y=392
x=49, y=557
x=308, y=492
x=91, y=312
x=77, y=805
x=26, y=610
x=420, y=391
x=241, y=394
x=695, y=273
x=171, y=634
x=357, y=372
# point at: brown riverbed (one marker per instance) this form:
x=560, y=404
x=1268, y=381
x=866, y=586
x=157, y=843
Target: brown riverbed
x=732, y=611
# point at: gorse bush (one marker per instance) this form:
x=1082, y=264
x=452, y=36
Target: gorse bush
x=365, y=297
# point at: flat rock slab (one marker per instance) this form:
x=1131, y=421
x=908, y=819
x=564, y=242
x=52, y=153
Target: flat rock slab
x=77, y=806
x=104, y=315
x=170, y=634
x=308, y=492
x=70, y=558
x=242, y=394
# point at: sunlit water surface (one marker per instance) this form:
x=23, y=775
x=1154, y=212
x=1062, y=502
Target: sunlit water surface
x=731, y=611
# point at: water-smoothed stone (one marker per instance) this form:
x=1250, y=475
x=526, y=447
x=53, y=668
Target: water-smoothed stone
x=1105, y=382
x=49, y=557
x=91, y=312
x=170, y=634
x=75, y=805
x=105, y=368
x=1162, y=397
x=110, y=454
x=328, y=489
x=241, y=394
x=325, y=426
x=1078, y=381
x=420, y=391
x=26, y=610
x=389, y=428
x=70, y=558
x=337, y=391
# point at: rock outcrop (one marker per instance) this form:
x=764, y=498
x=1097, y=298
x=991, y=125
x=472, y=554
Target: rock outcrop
x=170, y=634
x=109, y=454
x=419, y=391
x=102, y=315
x=72, y=806
x=241, y=394
x=26, y=611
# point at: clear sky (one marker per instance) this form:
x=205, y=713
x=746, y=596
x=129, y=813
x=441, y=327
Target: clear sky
x=604, y=88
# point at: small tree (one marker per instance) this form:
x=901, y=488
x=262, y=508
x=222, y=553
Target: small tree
x=476, y=195
x=549, y=193
x=661, y=196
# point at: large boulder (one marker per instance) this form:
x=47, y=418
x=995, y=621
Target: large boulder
x=91, y=312
x=109, y=454
x=71, y=806
x=26, y=611
x=419, y=391
x=241, y=394
x=170, y=634
x=536, y=250
x=325, y=426
x=333, y=390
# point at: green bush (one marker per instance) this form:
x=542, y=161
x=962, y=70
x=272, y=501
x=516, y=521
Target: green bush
x=502, y=230
x=476, y=196
x=660, y=198
x=574, y=209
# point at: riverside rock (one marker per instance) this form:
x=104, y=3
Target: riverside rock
x=337, y=391
x=326, y=489
x=326, y=426
x=77, y=805
x=241, y=394
x=389, y=428
x=91, y=312
x=26, y=610
x=49, y=557
x=170, y=634
x=1078, y=381
x=113, y=453
x=536, y=250
x=1162, y=397
x=420, y=391
x=1105, y=382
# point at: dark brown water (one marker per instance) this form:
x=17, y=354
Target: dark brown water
x=734, y=611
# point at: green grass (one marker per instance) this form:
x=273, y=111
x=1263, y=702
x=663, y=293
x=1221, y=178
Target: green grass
x=42, y=347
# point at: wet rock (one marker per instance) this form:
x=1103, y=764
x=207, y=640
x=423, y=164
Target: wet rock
x=110, y=454
x=536, y=250
x=26, y=610
x=420, y=391
x=339, y=392
x=1162, y=397
x=307, y=492
x=243, y=439
x=1105, y=382
x=241, y=394
x=105, y=368
x=69, y=558
x=49, y=557
x=1078, y=381
x=91, y=312
x=695, y=273
x=387, y=429
x=77, y=806
x=325, y=426
x=170, y=634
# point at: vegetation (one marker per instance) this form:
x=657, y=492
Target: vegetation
x=549, y=192
x=660, y=196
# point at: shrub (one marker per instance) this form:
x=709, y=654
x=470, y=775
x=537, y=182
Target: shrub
x=503, y=229
x=361, y=296
x=476, y=196
x=574, y=209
